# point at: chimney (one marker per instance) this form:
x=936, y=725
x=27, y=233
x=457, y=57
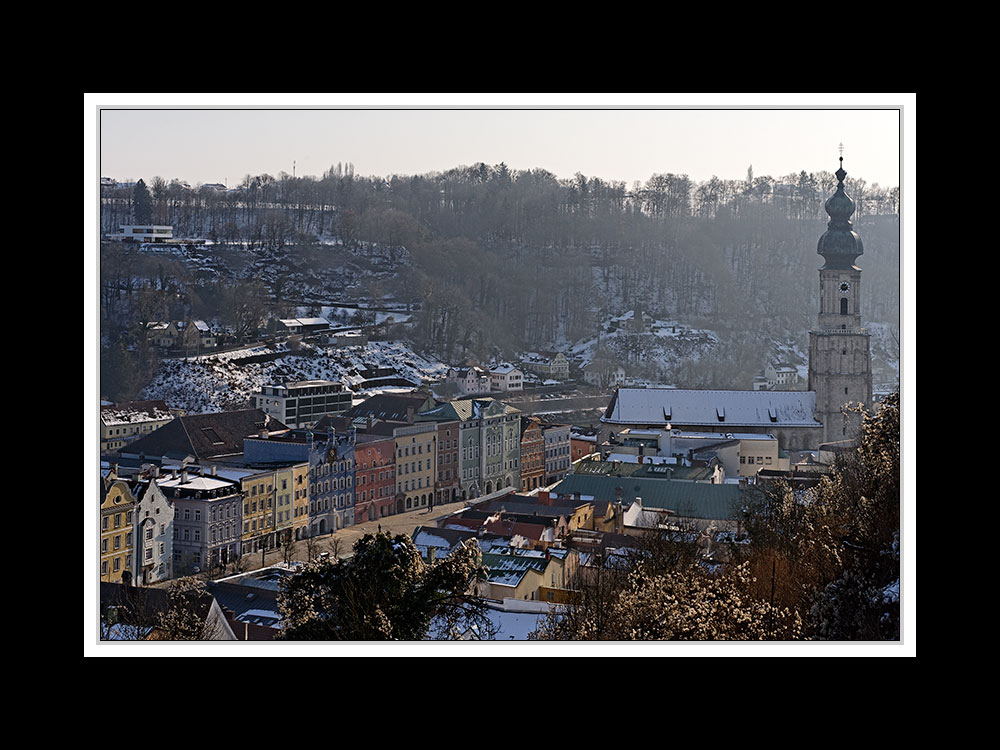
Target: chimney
x=410, y=411
x=431, y=555
x=263, y=433
x=215, y=471
x=184, y=475
x=543, y=497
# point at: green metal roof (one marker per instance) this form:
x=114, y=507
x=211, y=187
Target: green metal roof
x=690, y=499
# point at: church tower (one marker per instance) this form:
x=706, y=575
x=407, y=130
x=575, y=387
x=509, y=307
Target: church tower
x=840, y=370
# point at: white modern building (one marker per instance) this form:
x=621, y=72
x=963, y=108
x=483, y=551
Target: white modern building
x=147, y=232
x=302, y=403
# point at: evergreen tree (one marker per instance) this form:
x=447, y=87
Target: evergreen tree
x=385, y=591
x=119, y=376
x=142, y=204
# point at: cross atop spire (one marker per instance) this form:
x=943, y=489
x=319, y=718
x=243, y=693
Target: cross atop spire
x=840, y=173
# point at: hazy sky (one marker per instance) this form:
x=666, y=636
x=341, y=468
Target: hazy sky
x=202, y=138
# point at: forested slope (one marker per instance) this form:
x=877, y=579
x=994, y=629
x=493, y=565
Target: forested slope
x=502, y=261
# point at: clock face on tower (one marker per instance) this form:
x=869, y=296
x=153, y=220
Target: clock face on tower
x=845, y=286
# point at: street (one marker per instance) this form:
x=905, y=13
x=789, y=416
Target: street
x=342, y=542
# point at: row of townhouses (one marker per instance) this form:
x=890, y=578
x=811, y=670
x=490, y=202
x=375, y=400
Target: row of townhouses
x=244, y=482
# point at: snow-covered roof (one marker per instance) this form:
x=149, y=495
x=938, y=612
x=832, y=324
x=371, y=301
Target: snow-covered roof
x=698, y=407
x=503, y=369
x=194, y=482
x=135, y=412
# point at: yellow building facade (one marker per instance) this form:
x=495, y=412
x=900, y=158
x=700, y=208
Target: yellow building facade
x=300, y=500
x=117, y=532
x=416, y=464
x=258, y=511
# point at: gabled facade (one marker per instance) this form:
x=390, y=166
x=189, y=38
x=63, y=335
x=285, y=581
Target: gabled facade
x=117, y=531
x=779, y=375
x=470, y=380
x=191, y=335
x=154, y=531
x=163, y=334
x=489, y=443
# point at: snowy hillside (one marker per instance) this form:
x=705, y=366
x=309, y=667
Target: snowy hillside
x=220, y=382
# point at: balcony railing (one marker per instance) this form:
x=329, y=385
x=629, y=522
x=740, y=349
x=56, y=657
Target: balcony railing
x=838, y=331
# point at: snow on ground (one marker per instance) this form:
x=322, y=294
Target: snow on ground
x=340, y=314
x=514, y=624
x=665, y=341
x=219, y=382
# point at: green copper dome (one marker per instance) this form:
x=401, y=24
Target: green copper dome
x=840, y=245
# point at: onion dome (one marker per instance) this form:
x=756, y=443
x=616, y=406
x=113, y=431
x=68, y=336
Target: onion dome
x=840, y=245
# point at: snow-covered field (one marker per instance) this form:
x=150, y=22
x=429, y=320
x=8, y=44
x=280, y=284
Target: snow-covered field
x=218, y=382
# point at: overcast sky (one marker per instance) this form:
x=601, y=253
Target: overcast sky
x=223, y=137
